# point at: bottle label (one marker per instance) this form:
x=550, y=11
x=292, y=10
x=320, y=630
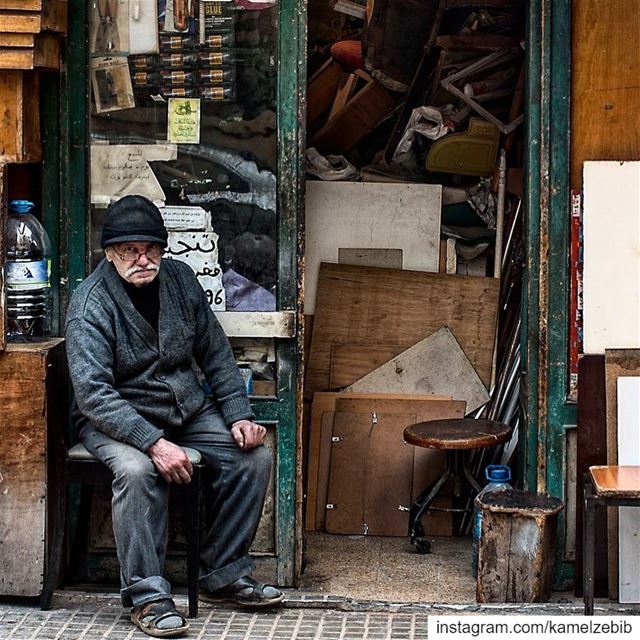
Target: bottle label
x=27, y=275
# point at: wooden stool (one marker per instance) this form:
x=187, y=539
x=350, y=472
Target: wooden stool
x=457, y=436
x=605, y=486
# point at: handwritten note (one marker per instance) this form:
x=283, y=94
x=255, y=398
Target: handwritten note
x=118, y=170
x=184, y=120
x=199, y=249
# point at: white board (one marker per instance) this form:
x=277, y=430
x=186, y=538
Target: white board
x=364, y=215
x=436, y=365
x=611, y=294
x=629, y=517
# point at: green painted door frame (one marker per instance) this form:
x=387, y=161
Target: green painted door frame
x=70, y=186
x=546, y=299
x=545, y=306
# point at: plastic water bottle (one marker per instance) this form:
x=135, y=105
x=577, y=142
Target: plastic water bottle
x=27, y=273
x=498, y=476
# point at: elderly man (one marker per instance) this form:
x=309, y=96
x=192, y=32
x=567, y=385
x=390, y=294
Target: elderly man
x=141, y=337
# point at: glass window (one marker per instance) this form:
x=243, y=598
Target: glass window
x=183, y=111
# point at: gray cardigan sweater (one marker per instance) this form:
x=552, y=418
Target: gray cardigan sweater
x=132, y=383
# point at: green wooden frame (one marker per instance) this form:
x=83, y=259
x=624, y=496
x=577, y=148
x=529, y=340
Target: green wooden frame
x=71, y=186
x=546, y=300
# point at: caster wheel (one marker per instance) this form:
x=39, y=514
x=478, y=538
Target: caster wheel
x=423, y=546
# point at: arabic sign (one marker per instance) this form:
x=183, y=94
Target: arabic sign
x=178, y=218
x=199, y=249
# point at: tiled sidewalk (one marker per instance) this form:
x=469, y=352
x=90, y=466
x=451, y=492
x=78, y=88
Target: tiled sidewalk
x=78, y=615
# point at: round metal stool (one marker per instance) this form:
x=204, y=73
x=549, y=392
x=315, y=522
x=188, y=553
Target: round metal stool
x=457, y=436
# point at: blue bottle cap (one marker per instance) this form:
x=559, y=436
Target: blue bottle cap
x=498, y=473
x=21, y=206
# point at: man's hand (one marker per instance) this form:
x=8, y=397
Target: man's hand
x=247, y=434
x=171, y=461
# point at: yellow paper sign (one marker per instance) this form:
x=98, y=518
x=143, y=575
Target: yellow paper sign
x=184, y=120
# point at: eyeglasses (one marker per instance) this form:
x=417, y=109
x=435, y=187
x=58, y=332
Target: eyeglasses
x=129, y=253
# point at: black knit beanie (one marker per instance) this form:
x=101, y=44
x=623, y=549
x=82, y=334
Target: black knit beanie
x=133, y=219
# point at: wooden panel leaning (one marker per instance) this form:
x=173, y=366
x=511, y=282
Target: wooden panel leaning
x=20, y=114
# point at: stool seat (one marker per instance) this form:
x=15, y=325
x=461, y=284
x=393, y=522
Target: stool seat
x=457, y=433
x=616, y=481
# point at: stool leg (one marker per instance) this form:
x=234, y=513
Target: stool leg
x=423, y=502
x=588, y=547
x=193, y=540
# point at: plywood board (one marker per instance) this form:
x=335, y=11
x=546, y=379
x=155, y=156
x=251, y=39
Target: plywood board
x=611, y=289
x=385, y=258
x=366, y=304
x=343, y=215
x=605, y=93
x=428, y=464
x=434, y=365
x=370, y=476
x=351, y=361
x=629, y=517
x=320, y=426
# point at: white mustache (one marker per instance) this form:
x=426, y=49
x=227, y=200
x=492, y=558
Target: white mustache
x=131, y=270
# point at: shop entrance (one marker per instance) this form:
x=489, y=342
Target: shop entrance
x=414, y=264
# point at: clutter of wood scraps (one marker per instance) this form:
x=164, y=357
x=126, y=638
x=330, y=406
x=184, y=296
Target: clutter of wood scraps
x=414, y=251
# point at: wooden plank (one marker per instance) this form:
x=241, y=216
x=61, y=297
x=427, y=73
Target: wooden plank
x=611, y=280
x=350, y=361
x=322, y=89
x=434, y=365
x=629, y=517
x=617, y=481
x=17, y=39
x=23, y=5
x=52, y=17
x=358, y=118
x=23, y=472
x=592, y=450
x=398, y=216
x=44, y=55
x=4, y=194
x=605, y=93
x=346, y=87
x=370, y=475
x=366, y=304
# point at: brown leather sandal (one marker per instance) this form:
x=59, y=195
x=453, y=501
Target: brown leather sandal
x=150, y=616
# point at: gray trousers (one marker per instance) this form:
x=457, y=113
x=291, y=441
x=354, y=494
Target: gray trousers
x=235, y=485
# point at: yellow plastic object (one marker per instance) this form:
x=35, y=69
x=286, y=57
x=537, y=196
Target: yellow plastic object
x=472, y=153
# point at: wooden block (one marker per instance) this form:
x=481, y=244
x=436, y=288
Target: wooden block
x=322, y=89
x=434, y=365
x=358, y=118
x=387, y=304
x=23, y=5
x=20, y=114
x=370, y=475
x=32, y=381
x=45, y=54
x=592, y=450
x=52, y=16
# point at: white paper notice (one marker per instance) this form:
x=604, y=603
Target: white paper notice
x=183, y=218
x=118, y=170
x=199, y=249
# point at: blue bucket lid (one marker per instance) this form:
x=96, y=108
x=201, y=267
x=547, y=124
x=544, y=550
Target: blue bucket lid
x=21, y=206
x=498, y=473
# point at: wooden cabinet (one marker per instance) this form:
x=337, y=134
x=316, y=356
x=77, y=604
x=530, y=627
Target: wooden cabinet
x=33, y=403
